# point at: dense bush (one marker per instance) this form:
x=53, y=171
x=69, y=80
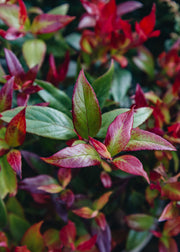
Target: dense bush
x=89, y=126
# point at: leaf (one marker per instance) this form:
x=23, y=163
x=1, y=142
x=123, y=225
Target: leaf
x=60, y=10
x=168, y=245
x=14, y=159
x=68, y=234
x=103, y=238
x=51, y=188
x=130, y=164
x=13, y=206
x=140, y=116
x=85, y=212
x=56, y=98
x=102, y=85
x=136, y=239
x=172, y=227
x=127, y=7
x=14, y=66
x=102, y=201
x=144, y=140
x=17, y=221
x=8, y=182
x=47, y=23
x=140, y=222
x=9, y=13
x=44, y=121
x=106, y=179
x=21, y=249
x=6, y=95
x=51, y=239
x=78, y=156
x=3, y=214
x=85, y=108
x=119, y=132
x=16, y=129
x=101, y=221
x=100, y=148
x=170, y=211
x=121, y=84
x=34, y=52
x=33, y=239
x=64, y=176
x=171, y=191
x=87, y=245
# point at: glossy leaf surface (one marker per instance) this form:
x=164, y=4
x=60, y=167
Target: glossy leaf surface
x=78, y=156
x=85, y=109
x=44, y=121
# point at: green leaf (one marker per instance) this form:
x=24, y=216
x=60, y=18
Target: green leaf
x=44, y=121
x=140, y=116
x=121, y=84
x=34, y=52
x=13, y=206
x=33, y=239
x=8, y=182
x=3, y=214
x=86, y=111
x=9, y=13
x=136, y=240
x=102, y=85
x=140, y=222
x=60, y=10
x=18, y=226
x=57, y=99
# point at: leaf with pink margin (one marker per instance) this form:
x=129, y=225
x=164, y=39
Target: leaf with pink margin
x=68, y=235
x=6, y=95
x=14, y=159
x=102, y=201
x=100, y=148
x=9, y=13
x=85, y=108
x=170, y=211
x=51, y=188
x=119, y=132
x=78, y=156
x=33, y=238
x=171, y=191
x=14, y=66
x=64, y=176
x=47, y=23
x=130, y=164
x=16, y=130
x=145, y=140
x=11, y=34
x=85, y=212
x=129, y=6
x=87, y=245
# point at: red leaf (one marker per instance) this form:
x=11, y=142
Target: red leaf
x=170, y=211
x=47, y=23
x=144, y=140
x=64, y=176
x=14, y=66
x=3, y=240
x=100, y=148
x=16, y=130
x=68, y=197
x=78, y=156
x=101, y=221
x=130, y=164
x=127, y=7
x=14, y=159
x=6, y=95
x=172, y=227
x=140, y=99
x=119, y=132
x=106, y=179
x=171, y=191
x=11, y=34
x=68, y=235
x=22, y=13
x=87, y=245
x=168, y=246
x=22, y=249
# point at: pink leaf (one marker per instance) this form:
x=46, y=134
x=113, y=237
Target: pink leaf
x=64, y=176
x=16, y=130
x=127, y=7
x=170, y=211
x=140, y=99
x=101, y=221
x=100, y=148
x=144, y=140
x=6, y=95
x=14, y=66
x=47, y=23
x=87, y=245
x=78, y=156
x=119, y=132
x=14, y=159
x=130, y=164
x=68, y=234
x=11, y=34
x=68, y=197
x=85, y=212
x=171, y=191
x=106, y=179
x=172, y=227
